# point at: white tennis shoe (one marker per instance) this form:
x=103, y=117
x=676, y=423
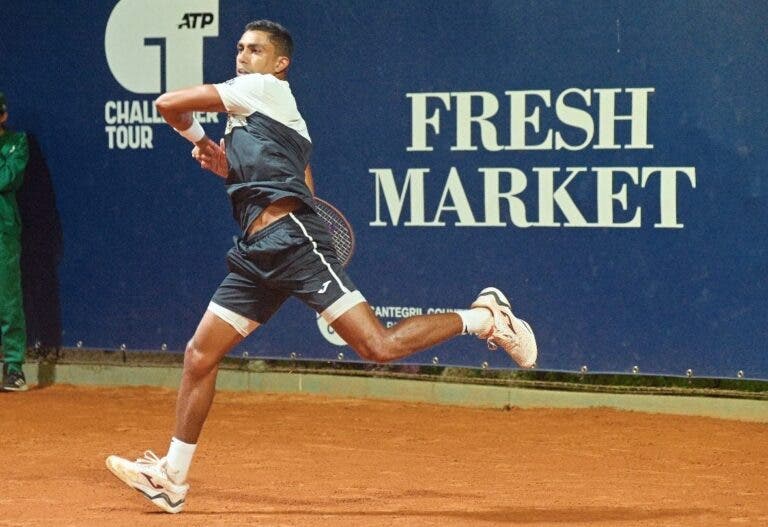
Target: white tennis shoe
x=148, y=475
x=513, y=335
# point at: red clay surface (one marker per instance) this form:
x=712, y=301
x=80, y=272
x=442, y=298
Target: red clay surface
x=314, y=461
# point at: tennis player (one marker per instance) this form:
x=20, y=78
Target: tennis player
x=284, y=250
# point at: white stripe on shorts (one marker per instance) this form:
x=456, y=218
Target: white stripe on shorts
x=322, y=258
x=242, y=325
x=342, y=305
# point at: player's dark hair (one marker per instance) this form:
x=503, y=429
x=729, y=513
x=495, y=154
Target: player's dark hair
x=278, y=35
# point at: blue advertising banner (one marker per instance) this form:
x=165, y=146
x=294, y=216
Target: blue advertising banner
x=604, y=164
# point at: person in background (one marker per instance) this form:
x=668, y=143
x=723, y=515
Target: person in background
x=14, y=154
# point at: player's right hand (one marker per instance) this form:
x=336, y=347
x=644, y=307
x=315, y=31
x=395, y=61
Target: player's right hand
x=212, y=157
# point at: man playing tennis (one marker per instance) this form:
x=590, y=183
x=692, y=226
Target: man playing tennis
x=284, y=250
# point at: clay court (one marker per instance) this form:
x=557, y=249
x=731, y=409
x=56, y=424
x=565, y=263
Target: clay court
x=312, y=460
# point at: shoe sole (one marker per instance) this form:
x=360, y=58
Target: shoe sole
x=524, y=326
x=519, y=327
x=127, y=476
x=14, y=389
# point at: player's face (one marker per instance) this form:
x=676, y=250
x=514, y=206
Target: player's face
x=256, y=54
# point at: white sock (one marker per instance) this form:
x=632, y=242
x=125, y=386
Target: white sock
x=179, y=459
x=477, y=321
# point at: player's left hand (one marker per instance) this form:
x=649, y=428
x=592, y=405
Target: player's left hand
x=211, y=156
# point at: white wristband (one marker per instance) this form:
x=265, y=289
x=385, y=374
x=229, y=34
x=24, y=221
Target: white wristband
x=194, y=133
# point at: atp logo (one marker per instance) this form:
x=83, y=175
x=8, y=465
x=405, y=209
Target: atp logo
x=153, y=46
x=191, y=20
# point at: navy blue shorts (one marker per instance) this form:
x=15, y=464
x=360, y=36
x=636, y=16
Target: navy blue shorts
x=293, y=256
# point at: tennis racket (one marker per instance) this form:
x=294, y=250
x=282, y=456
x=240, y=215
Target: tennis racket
x=341, y=232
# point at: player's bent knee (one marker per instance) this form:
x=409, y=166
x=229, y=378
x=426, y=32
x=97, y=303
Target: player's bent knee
x=196, y=361
x=372, y=355
x=367, y=337
x=373, y=350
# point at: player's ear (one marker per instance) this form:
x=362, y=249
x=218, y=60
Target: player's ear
x=281, y=66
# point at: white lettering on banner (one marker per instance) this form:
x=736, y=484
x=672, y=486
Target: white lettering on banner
x=464, y=120
x=420, y=121
x=126, y=123
x=524, y=123
x=612, y=186
x=455, y=190
x=387, y=187
x=668, y=191
x=638, y=118
x=396, y=311
x=576, y=119
x=520, y=120
x=144, y=112
x=133, y=137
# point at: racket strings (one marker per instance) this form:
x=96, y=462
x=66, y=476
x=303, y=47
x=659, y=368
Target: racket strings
x=339, y=231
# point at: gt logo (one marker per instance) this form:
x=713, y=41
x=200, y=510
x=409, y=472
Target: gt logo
x=149, y=51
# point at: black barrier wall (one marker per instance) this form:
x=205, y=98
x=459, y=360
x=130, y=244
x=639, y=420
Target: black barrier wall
x=604, y=164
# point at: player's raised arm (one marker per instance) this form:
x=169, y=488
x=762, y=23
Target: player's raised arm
x=176, y=107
